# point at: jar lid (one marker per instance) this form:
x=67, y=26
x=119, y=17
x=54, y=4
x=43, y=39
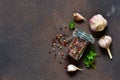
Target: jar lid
x=83, y=35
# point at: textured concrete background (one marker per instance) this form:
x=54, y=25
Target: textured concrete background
x=26, y=30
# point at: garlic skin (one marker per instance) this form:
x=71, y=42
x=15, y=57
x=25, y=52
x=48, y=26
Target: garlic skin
x=72, y=68
x=77, y=17
x=98, y=23
x=105, y=42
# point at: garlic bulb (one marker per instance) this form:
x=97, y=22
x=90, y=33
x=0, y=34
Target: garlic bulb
x=77, y=17
x=98, y=23
x=105, y=42
x=72, y=68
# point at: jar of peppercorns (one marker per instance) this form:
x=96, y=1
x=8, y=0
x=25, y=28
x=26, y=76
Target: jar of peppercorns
x=79, y=42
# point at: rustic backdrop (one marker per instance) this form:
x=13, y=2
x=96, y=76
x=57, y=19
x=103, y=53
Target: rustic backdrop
x=28, y=26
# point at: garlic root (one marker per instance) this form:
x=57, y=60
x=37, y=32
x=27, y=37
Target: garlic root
x=110, y=55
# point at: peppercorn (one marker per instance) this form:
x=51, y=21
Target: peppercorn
x=60, y=62
x=62, y=54
x=65, y=67
x=53, y=49
x=50, y=52
x=60, y=47
x=60, y=28
x=65, y=27
x=54, y=44
x=60, y=35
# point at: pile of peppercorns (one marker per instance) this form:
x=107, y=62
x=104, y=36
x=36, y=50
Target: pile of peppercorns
x=59, y=46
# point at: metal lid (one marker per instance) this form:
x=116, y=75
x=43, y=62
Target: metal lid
x=84, y=35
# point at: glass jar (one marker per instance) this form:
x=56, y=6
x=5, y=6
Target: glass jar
x=79, y=42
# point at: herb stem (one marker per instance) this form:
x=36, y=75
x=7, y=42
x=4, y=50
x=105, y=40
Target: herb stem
x=93, y=66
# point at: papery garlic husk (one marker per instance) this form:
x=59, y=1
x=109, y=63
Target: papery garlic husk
x=98, y=23
x=78, y=17
x=105, y=42
x=72, y=68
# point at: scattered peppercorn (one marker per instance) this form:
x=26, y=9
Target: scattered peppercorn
x=60, y=62
x=62, y=54
x=55, y=54
x=60, y=47
x=53, y=40
x=65, y=67
x=65, y=44
x=68, y=51
x=50, y=52
x=59, y=41
x=65, y=27
x=60, y=35
x=60, y=28
x=54, y=44
x=53, y=49
x=64, y=35
x=64, y=38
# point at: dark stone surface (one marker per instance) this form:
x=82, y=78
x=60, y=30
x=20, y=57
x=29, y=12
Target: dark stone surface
x=26, y=30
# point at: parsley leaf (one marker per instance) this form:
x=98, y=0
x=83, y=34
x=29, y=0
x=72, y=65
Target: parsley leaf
x=72, y=25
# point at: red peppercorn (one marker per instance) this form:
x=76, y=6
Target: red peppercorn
x=65, y=67
x=65, y=44
x=62, y=54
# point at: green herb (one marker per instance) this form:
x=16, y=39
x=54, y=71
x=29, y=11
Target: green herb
x=72, y=25
x=90, y=58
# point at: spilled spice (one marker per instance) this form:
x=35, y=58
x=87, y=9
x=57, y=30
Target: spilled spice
x=65, y=67
x=59, y=45
x=65, y=27
x=60, y=62
x=60, y=28
x=49, y=52
x=53, y=49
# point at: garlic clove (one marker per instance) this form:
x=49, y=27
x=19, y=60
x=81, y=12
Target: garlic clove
x=77, y=17
x=98, y=23
x=72, y=68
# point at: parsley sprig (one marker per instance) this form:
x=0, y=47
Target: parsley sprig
x=90, y=58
